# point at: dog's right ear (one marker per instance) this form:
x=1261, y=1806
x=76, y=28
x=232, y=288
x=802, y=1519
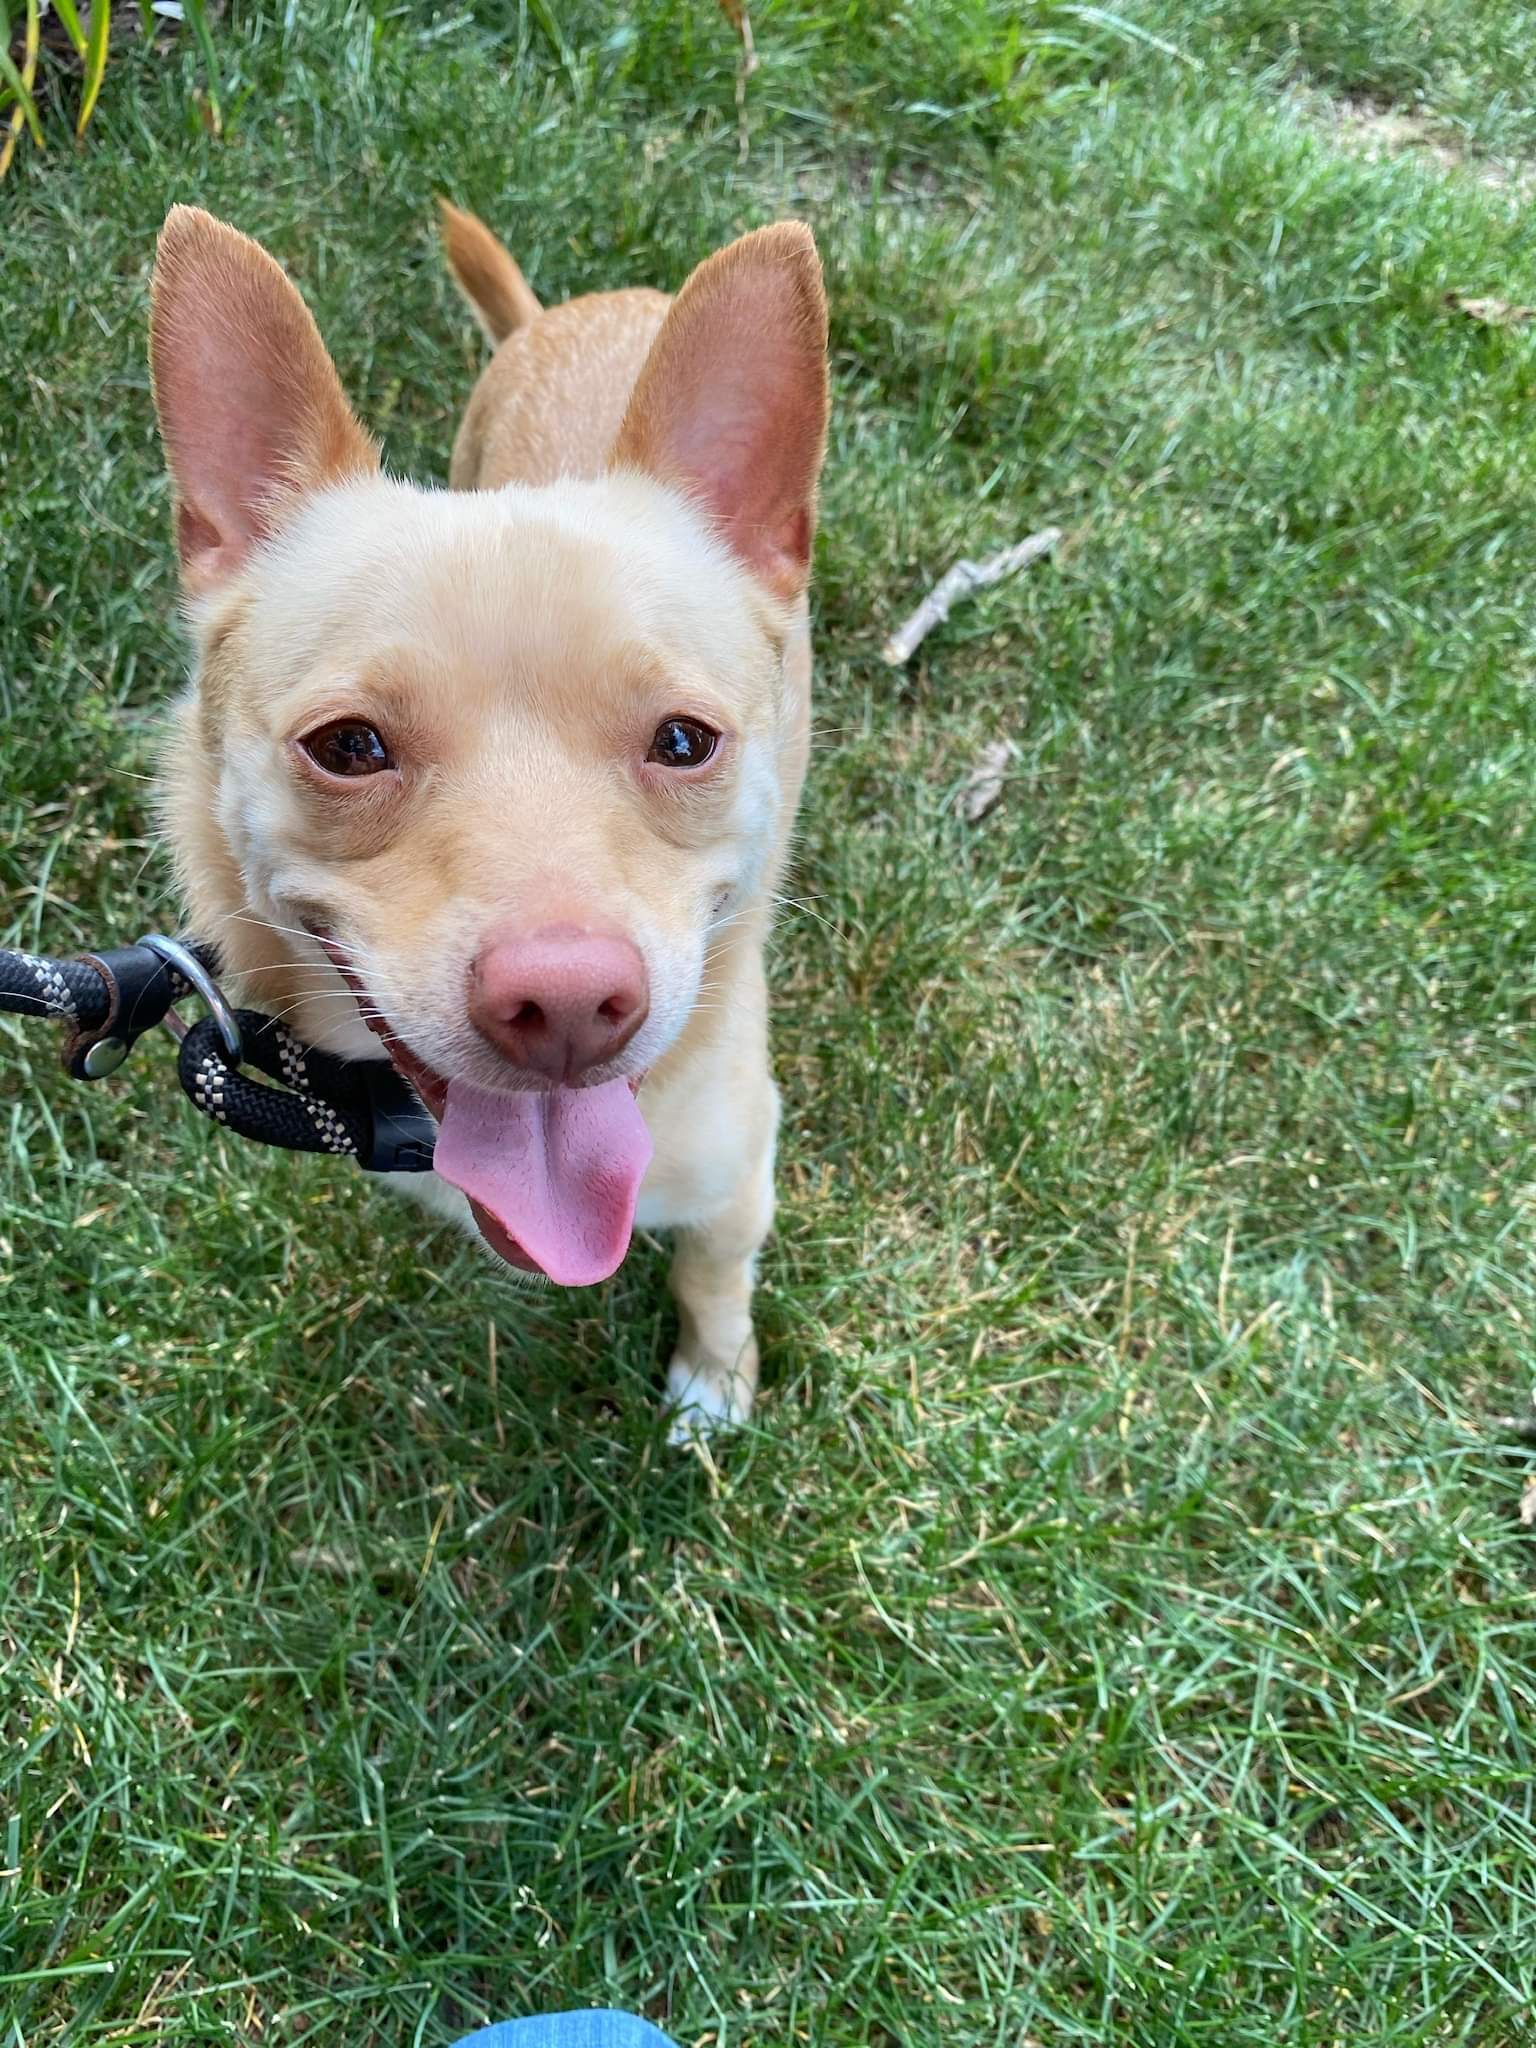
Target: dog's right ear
x=251, y=411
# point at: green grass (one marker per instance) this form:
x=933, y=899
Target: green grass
x=1115, y=1626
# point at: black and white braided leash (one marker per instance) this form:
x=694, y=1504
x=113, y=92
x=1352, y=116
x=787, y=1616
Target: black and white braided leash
x=358, y=1109
x=34, y=987
x=106, y=1001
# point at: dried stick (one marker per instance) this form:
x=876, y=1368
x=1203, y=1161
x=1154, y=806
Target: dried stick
x=960, y=581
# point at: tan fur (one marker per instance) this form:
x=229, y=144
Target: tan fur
x=603, y=565
x=224, y=317
x=485, y=273
x=552, y=398
x=768, y=279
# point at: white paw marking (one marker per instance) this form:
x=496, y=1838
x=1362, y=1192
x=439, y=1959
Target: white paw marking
x=703, y=1402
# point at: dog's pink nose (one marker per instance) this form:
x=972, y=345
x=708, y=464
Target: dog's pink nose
x=560, y=1001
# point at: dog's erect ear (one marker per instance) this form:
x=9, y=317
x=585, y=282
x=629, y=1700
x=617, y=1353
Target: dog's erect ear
x=732, y=402
x=251, y=411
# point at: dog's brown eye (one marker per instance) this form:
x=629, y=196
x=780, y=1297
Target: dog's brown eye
x=682, y=743
x=348, y=748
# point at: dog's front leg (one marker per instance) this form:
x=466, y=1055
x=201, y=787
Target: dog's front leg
x=713, y=1374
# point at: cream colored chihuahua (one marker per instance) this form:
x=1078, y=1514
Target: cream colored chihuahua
x=497, y=781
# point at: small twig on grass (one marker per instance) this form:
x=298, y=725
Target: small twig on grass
x=959, y=582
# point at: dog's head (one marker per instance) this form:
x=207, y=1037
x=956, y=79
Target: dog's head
x=498, y=767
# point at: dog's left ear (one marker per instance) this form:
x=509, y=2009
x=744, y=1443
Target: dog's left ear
x=251, y=409
x=731, y=405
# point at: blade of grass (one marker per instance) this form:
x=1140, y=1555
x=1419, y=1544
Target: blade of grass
x=20, y=83
x=69, y=14
x=8, y=148
x=92, y=1969
x=95, y=60
x=1101, y=17
x=197, y=14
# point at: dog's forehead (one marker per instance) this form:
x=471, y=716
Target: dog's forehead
x=567, y=574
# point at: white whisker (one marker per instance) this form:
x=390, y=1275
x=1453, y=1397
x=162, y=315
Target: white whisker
x=292, y=931
x=794, y=903
x=304, y=1002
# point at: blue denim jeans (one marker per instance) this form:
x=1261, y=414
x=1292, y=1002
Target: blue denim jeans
x=571, y=2030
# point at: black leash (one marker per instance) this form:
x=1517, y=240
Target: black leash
x=106, y=1002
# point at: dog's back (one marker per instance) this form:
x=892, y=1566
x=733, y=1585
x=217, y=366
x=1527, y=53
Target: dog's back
x=551, y=400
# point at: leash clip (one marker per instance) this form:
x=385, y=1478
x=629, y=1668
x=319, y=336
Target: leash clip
x=196, y=975
x=362, y=1110
x=136, y=988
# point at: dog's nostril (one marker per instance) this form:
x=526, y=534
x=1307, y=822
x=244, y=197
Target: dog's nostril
x=557, y=1002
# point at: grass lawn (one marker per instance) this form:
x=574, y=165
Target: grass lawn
x=1116, y=1626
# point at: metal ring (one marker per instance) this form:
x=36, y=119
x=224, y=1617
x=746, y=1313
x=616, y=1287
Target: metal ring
x=192, y=970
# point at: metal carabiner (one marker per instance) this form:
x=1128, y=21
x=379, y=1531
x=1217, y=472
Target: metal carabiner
x=192, y=971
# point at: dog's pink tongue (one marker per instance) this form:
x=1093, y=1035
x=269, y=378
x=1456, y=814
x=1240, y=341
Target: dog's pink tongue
x=558, y=1171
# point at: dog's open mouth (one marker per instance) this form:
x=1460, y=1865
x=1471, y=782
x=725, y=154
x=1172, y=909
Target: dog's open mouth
x=552, y=1175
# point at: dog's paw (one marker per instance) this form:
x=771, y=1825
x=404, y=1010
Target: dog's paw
x=703, y=1400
